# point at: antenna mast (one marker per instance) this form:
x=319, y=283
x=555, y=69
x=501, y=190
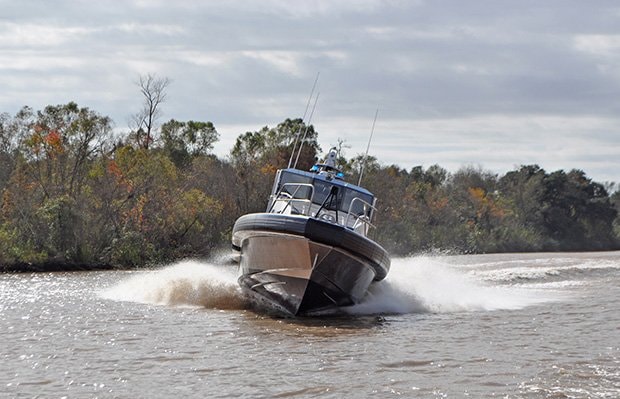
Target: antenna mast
x=368, y=148
x=304, y=118
x=306, y=129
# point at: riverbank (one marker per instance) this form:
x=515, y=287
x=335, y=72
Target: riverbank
x=221, y=256
x=57, y=267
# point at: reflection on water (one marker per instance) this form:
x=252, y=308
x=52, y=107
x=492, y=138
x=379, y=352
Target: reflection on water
x=333, y=326
x=533, y=325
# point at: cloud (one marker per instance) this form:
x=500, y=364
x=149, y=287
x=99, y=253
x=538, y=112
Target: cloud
x=497, y=142
x=492, y=83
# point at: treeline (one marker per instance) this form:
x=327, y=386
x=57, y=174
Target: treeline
x=76, y=193
x=474, y=211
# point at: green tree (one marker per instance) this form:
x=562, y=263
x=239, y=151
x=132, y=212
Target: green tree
x=578, y=213
x=45, y=203
x=257, y=155
x=215, y=177
x=7, y=156
x=184, y=140
x=473, y=199
x=523, y=191
x=615, y=202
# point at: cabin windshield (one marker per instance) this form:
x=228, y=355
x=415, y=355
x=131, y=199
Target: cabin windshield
x=316, y=196
x=321, y=189
x=287, y=184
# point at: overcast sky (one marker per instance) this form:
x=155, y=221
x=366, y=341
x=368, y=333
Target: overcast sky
x=494, y=83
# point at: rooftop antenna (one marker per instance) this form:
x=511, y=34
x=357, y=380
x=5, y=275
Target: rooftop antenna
x=367, y=148
x=302, y=119
x=301, y=145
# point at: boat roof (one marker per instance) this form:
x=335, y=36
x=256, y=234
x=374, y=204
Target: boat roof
x=328, y=179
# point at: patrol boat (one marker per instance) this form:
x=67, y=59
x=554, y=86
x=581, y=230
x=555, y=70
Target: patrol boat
x=309, y=252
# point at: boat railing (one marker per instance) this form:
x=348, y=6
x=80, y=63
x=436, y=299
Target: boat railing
x=290, y=200
x=286, y=200
x=361, y=222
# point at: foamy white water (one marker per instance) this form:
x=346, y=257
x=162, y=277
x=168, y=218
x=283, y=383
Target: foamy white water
x=187, y=283
x=414, y=285
x=427, y=284
x=536, y=270
x=509, y=326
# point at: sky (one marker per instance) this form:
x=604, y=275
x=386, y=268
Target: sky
x=493, y=84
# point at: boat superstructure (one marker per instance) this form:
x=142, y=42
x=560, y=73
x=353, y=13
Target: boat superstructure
x=309, y=251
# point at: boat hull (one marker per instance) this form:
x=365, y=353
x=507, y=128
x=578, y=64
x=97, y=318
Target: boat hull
x=290, y=268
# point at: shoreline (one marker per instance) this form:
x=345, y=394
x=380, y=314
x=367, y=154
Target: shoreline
x=53, y=267
x=59, y=267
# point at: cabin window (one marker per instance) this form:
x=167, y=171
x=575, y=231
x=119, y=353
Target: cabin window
x=358, y=206
x=294, y=190
x=321, y=192
x=343, y=197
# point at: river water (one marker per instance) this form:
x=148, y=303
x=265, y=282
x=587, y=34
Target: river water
x=510, y=326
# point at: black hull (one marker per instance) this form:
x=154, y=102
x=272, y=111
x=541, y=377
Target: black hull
x=291, y=265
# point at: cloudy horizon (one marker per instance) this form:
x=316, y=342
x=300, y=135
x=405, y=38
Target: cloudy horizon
x=495, y=84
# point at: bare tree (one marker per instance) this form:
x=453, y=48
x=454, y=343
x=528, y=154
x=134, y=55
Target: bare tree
x=153, y=90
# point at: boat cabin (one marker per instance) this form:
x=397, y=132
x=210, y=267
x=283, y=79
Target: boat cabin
x=322, y=194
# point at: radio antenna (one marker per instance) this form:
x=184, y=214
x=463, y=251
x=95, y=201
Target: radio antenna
x=367, y=148
x=301, y=145
x=302, y=119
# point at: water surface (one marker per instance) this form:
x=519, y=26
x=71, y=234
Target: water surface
x=513, y=326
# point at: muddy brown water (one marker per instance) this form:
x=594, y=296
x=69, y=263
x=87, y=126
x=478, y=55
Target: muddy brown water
x=511, y=326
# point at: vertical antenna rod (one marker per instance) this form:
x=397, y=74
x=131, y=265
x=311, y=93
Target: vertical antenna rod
x=367, y=148
x=302, y=119
x=301, y=145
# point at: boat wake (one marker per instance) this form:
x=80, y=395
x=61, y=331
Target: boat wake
x=425, y=284
x=187, y=283
x=564, y=271
x=421, y=284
